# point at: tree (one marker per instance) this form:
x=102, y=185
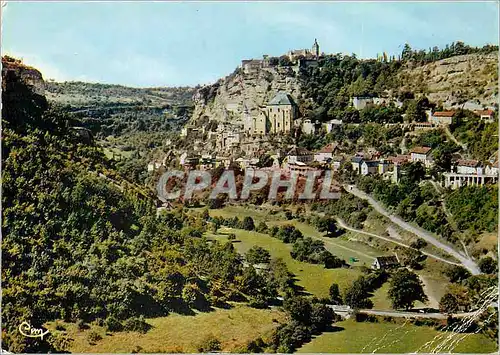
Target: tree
x=488, y=265
x=406, y=288
x=334, y=293
x=321, y=317
x=258, y=255
x=413, y=172
x=248, y=223
x=418, y=244
x=448, y=304
x=457, y=298
x=407, y=52
x=299, y=309
x=328, y=225
x=261, y=227
x=357, y=295
x=412, y=258
x=457, y=273
x=415, y=111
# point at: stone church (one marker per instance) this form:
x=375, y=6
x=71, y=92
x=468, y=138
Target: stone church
x=278, y=116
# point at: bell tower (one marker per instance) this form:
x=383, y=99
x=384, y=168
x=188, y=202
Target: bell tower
x=315, y=48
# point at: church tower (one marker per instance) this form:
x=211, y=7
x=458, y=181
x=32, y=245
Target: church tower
x=315, y=48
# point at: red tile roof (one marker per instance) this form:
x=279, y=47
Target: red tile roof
x=421, y=150
x=466, y=162
x=485, y=112
x=399, y=159
x=328, y=148
x=444, y=114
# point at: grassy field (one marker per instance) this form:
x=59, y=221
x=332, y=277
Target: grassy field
x=340, y=247
x=180, y=333
x=380, y=299
x=315, y=279
x=353, y=337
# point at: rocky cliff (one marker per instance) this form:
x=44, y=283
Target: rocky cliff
x=469, y=80
x=228, y=98
x=14, y=68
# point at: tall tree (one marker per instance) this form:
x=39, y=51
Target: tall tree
x=406, y=288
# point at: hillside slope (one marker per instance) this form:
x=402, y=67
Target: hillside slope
x=80, y=94
x=471, y=79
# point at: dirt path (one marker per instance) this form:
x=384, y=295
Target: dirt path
x=433, y=302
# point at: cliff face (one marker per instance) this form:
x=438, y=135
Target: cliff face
x=23, y=96
x=227, y=99
x=14, y=68
x=469, y=80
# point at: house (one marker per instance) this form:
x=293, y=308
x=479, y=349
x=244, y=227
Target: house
x=360, y=102
x=383, y=166
x=492, y=169
x=356, y=164
x=486, y=115
x=465, y=166
x=422, y=126
x=442, y=118
x=369, y=167
x=385, y=262
x=337, y=162
x=330, y=124
x=422, y=155
x=298, y=154
x=326, y=154
x=299, y=167
x=308, y=127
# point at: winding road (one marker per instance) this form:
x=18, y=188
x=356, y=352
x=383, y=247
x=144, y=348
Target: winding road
x=465, y=261
x=344, y=226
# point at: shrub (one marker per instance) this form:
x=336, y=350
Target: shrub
x=93, y=337
x=231, y=236
x=248, y=224
x=136, y=324
x=81, y=325
x=113, y=324
x=209, y=344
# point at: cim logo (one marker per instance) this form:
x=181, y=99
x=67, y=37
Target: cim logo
x=28, y=331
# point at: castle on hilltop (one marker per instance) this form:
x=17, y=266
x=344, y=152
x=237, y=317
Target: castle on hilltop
x=305, y=53
x=298, y=56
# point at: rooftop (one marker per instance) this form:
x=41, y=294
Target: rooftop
x=485, y=112
x=444, y=114
x=387, y=260
x=282, y=98
x=297, y=151
x=469, y=163
x=421, y=150
x=328, y=148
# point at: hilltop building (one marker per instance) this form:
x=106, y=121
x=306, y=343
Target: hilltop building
x=313, y=53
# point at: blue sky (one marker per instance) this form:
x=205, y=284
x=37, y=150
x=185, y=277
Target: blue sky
x=189, y=43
